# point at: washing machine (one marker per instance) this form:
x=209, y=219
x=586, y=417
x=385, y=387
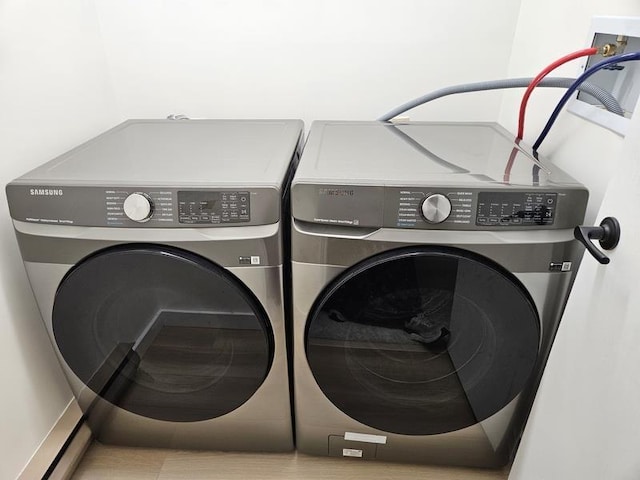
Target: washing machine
x=430, y=266
x=155, y=253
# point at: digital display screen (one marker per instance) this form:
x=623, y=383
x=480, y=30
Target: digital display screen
x=208, y=205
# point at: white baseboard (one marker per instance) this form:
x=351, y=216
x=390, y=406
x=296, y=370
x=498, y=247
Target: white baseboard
x=50, y=460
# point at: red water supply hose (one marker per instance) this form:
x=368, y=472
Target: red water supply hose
x=525, y=98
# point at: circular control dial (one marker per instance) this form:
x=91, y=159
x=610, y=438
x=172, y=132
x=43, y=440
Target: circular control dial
x=436, y=208
x=138, y=207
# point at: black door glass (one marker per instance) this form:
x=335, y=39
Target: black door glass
x=423, y=341
x=162, y=333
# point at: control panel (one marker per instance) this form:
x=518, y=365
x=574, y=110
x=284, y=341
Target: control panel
x=210, y=207
x=515, y=208
x=436, y=207
x=145, y=207
x=470, y=209
x=194, y=207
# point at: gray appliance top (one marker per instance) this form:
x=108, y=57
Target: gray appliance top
x=178, y=153
x=164, y=174
x=453, y=176
x=462, y=154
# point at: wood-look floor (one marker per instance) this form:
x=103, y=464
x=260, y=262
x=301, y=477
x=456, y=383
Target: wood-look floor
x=123, y=463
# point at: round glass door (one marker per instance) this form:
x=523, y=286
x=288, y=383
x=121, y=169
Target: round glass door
x=162, y=332
x=423, y=341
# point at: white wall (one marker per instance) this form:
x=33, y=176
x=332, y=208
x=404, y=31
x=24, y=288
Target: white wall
x=321, y=59
x=54, y=93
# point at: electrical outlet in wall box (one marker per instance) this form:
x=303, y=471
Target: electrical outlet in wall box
x=622, y=80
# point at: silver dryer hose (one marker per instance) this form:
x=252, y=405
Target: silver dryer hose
x=600, y=94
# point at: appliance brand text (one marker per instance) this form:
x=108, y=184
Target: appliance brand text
x=46, y=192
x=336, y=192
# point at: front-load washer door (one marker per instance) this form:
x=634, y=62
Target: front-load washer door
x=162, y=332
x=422, y=341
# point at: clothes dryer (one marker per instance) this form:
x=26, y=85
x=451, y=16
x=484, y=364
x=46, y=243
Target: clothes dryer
x=155, y=253
x=430, y=266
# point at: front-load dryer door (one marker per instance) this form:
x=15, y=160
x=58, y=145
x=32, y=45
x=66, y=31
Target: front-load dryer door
x=162, y=333
x=422, y=341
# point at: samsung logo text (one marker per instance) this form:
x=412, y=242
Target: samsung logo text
x=336, y=192
x=46, y=192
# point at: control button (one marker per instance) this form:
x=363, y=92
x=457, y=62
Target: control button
x=493, y=220
x=436, y=208
x=482, y=220
x=516, y=221
x=138, y=207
